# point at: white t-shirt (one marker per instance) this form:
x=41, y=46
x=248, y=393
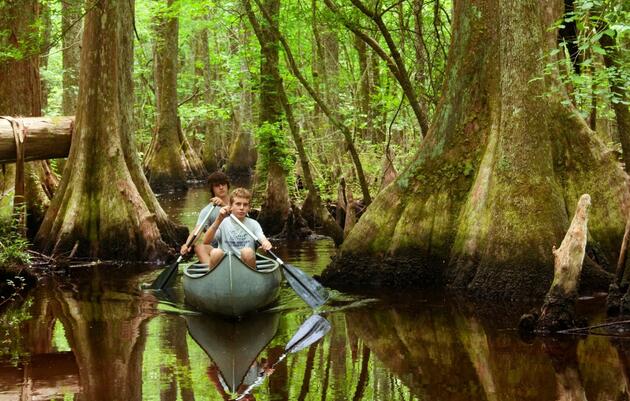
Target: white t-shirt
x=213, y=216
x=232, y=238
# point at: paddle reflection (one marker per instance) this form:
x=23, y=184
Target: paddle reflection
x=234, y=348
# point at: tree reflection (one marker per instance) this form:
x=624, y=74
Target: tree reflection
x=96, y=339
x=107, y=341
x=442, y=354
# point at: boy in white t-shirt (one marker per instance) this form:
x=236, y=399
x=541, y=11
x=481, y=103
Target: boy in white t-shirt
x=230, y=236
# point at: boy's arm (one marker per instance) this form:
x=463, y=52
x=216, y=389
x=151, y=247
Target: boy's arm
x=264, y=243
x=212, y=230
x=200, y=220
x=186, y=246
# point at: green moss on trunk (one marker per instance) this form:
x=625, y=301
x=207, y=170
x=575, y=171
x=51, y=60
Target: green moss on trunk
x=104, y=204
x=494, y=183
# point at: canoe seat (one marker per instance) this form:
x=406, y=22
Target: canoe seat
x=197, y=270
x=265, y=264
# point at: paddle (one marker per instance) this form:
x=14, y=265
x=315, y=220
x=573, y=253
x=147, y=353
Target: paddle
x=167, y=277
x=313, y=329
x=309, y=289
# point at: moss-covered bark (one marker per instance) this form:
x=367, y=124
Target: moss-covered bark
x=495, y=181
x=170, y=160
x=275, y=207
x=104, y=204
x=242, y=154
x=21, y=94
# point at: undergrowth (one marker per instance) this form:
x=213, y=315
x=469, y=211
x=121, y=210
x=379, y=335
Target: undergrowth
x=13, y=247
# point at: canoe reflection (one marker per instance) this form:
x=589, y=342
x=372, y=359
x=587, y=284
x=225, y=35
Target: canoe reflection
x=233, y=347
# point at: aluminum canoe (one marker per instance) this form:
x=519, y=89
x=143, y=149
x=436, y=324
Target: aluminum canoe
x=232, y=288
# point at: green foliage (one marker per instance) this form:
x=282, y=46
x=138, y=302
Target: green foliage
x=594, y=19
x=218, y=94
x=13, y=247
x=273, y=146
x=11, y=320
x=18, y=42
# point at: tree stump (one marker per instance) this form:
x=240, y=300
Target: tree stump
x=558, y=311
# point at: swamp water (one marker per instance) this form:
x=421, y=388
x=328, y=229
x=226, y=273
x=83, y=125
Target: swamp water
x=98, y=336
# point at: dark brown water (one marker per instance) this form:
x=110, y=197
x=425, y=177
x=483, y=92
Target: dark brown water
x=98, y=336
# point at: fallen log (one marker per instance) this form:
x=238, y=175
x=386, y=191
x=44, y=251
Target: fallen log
x=46, y=138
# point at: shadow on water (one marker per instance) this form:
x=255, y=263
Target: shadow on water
x=97, y=336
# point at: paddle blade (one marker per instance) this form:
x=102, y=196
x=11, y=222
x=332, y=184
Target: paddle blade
x=307, y=288
x=314, y=328
x=167, y=277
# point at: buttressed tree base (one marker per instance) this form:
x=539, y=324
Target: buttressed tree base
x=104, y=207
x=486, y=220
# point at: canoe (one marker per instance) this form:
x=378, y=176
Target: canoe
x=234, y=345
x=232, y=288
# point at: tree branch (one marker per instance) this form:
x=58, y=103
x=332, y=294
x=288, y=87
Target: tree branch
x=331, y=116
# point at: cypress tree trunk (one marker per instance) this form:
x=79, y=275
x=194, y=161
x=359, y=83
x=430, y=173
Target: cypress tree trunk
x=242, y=154
x=493, y=185
x=365, y=89
x=613, y=59
x=104, y=203
x=170, y=160
x=71, y=24
x=275, y=208
x=208, y=126
x=21, y=93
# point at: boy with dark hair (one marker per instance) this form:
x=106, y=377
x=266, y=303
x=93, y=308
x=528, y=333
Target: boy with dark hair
x=219, y=188
x=230, y=236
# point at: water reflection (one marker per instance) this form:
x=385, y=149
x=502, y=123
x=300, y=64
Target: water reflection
x=97, y=336
x=233, y=347
x=439, y=353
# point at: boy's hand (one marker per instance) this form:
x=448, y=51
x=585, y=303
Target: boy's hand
x=223, y=213
x=266, y=245
x=217, y=201
x=184, y=250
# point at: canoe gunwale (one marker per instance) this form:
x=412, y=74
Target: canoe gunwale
x=232, y=288
x=203, y=270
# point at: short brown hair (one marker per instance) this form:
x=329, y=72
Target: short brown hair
x=241, y=193
x=218, y=178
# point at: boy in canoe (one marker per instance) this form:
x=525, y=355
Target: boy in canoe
x=219, y=187
x=230, y=236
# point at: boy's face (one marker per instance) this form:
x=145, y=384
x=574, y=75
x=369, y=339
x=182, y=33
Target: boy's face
x=220, y=190
x=240, y=207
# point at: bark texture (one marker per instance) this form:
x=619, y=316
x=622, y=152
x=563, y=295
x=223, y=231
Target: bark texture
x=170, y=160
x=71, y=26
x=493, y=184
x=46, y=138
x=276, y=206
x=104, y=203
x=558, y=311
